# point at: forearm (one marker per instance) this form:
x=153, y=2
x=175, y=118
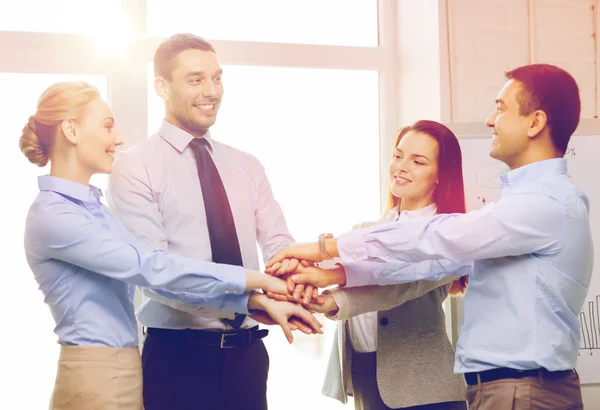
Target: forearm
x=257, y=301
x=355, y=301
x=202, y=311
x=366, y=273
x=514, y=226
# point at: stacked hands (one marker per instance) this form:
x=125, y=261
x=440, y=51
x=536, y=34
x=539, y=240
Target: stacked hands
x=292, y=289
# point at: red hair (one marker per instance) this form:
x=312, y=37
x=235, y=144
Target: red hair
x=450, y=192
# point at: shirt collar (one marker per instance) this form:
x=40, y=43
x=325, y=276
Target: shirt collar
x=83, y=193
x=533, y=172
x=429, y=210
x=179, y=138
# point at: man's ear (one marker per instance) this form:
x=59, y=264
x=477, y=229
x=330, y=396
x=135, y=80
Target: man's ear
x=161, y=88
x=70, y=131
x=539, y=120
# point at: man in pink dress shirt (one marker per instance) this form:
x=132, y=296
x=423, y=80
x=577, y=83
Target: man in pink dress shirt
x=195, y=358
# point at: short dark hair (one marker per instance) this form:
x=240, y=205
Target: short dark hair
x=170, y=48
x=554, y=91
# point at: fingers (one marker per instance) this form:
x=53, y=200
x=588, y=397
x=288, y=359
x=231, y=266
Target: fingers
x=309, y=319
x=278, y=296
x=285, y=326
x=284, y=267
x=301, y=326
x=308, y=293
x=298, y=291
x=290, y=284
x=279, y=256
x=273, y=269
x=313, y=307
x=293, y=265
x=300, y=278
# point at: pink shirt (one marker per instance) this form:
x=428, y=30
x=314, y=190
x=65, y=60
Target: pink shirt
x=155, y=191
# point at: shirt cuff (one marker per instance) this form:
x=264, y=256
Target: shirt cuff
x=351, y=246
x=233, y=280
x=236, y=303
x=341, y=299
x=357, y=274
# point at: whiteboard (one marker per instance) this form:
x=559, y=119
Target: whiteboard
x=482, y=185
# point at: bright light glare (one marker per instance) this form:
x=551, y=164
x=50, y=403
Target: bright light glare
x=116, y=40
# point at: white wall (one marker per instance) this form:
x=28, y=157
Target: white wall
x=453, y=54
x=488, y=37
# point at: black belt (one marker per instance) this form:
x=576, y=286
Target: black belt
x=222, y=339
x=506, y=373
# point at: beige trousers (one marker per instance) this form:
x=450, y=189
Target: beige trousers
x=98, y=378
x=529, y=393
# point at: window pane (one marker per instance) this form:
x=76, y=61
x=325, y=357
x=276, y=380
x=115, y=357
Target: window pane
x=316, y=132
x=333, y=22
x=26, y=319
x=59, y=16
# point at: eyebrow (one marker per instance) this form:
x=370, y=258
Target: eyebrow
x=414, y=155
x=202, y=73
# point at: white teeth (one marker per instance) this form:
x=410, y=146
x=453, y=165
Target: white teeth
x=401, y=179
x=206, y=106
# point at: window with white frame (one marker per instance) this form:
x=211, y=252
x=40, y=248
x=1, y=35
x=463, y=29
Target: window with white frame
x=330, y=22
x=303, y=94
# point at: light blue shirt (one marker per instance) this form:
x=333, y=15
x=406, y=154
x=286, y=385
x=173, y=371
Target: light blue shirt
x=86, y=264
x=533, y=256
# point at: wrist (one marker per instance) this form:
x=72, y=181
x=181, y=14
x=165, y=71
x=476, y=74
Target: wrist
x=331, y=247
x=256, y=301
x=252, y=280
x=339, y=275
x=331, y=305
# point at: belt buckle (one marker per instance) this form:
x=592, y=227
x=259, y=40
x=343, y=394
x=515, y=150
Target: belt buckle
x=223, y=338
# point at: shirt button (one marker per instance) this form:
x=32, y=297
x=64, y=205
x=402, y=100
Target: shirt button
x=383, y=321
x=235, y=292
x=388, y=257
x=226, y=292
x=354, y=256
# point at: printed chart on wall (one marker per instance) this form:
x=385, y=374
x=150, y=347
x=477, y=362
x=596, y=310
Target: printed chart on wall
x=482, y=185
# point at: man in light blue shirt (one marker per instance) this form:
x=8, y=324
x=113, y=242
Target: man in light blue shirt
x=532, y=253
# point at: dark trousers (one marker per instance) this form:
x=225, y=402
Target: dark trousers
x=366, y=391
x=183, y=375
x=528, y=393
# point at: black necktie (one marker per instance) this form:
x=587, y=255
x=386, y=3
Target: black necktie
x=224, y=242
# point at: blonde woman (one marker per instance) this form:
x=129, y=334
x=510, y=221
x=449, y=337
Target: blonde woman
x=86, y=263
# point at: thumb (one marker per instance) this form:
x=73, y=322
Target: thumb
x=301, y=278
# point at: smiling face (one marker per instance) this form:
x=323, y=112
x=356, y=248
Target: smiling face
x=414, y=170
x=510, y=142
x=193, y=93
x=96, y=138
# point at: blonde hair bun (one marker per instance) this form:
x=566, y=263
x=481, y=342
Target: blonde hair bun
x=30, y=144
